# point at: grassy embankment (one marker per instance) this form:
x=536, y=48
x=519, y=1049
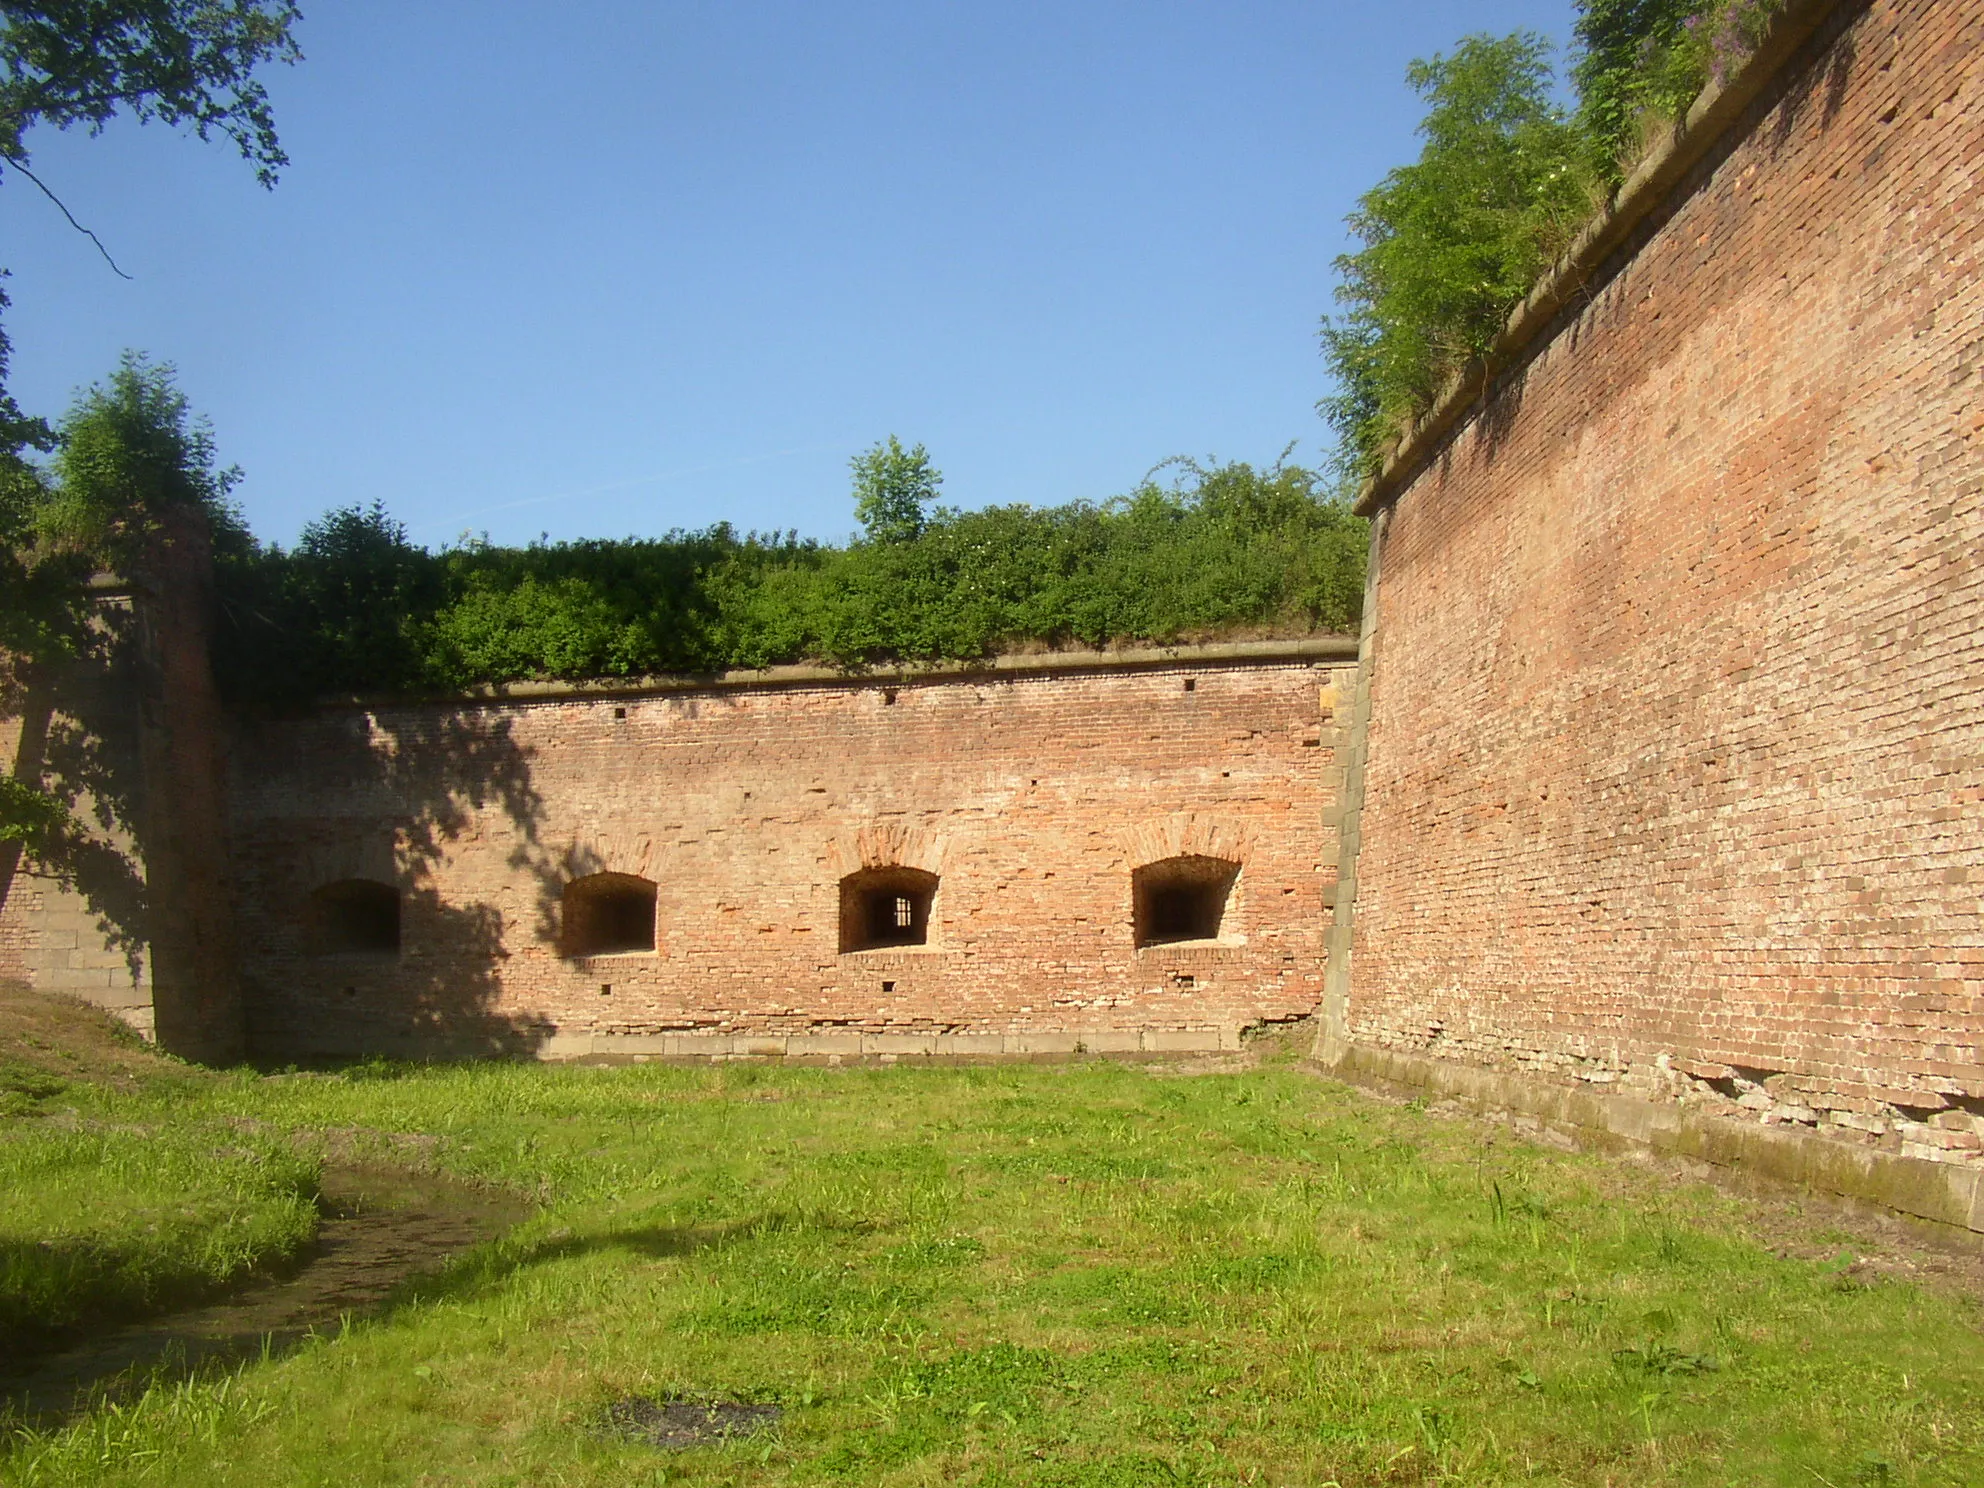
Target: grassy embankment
x=1076, y=1275
x=121, y=1190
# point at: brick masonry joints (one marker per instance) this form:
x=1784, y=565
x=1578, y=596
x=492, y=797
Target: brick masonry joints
x=1675, y=769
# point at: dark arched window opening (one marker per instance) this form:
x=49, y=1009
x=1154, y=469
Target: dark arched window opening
x=607, y=914
x=356, y=916
x=1182, y=898
x=882, y=907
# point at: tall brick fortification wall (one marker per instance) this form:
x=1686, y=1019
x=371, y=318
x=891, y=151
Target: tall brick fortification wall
x=1675, y=776
x=1031, y=795
x=138, y=917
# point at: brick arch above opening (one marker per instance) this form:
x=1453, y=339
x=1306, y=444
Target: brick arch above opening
x=335, y=852
x=885, y=844
x=1186, y=834
x=635, y=854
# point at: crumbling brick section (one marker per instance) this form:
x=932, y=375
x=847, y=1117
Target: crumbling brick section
x=1676, y=755
x=971, y=839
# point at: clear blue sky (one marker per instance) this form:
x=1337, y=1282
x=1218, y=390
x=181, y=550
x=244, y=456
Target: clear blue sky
x=612, y=267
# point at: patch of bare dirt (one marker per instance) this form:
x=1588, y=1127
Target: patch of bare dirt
x=674, y=1425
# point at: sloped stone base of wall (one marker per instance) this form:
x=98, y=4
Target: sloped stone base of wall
x=830, y=1046
x=827, y=1047
x=1940, y=1192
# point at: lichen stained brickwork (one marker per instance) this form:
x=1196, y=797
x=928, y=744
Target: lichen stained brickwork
x=1676, y=770
x=1032, y=799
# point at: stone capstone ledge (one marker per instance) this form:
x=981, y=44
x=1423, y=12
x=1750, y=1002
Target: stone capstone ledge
x=1940, y=1192
x=1146, y=658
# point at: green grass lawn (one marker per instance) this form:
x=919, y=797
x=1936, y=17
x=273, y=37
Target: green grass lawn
x=119, y=1193
x=1076, y=1275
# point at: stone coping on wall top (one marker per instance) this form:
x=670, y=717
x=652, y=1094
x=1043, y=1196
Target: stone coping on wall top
x=1147, y=658
x=1530, y=325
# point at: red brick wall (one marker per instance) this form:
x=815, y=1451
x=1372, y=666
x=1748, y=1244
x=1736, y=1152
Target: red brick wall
x=56, y=934
x=1676, y=773
x=1032, y=796
x=19, y=902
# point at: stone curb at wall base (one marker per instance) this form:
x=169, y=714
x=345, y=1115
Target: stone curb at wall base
x=1926, y=1190
x=850, y=1045
x=695, y=1048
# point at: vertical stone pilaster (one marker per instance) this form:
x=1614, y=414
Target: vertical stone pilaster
x=1333, y=1038
x=196, y=988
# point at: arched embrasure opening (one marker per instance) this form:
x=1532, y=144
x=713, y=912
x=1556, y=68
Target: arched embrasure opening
x=1181, y=898
x=356, y=917
x=607, y=914
x=882, y=907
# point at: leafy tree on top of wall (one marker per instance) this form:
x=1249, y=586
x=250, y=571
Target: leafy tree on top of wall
x=1224, y=547
x=334, y=615
x=128, y=454
x=355, y=607
x=892, y=488
x=1625, y=71
x=65, y=63
x=1453, y=242
x=130, y=451
x=1640, y=63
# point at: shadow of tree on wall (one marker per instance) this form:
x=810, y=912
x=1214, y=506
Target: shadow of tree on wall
x=553, y=870
x=1829, y=82
x=78, y=740
x=388, y=795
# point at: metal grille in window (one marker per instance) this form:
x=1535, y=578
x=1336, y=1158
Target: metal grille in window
x=886, y=906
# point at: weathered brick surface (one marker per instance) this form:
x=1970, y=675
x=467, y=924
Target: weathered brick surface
x=1032, y=796
x=19, y=932
x=51, y=936
x=1676, y=771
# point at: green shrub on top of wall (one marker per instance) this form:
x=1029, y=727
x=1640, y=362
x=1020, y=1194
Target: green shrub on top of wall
x=356, y=607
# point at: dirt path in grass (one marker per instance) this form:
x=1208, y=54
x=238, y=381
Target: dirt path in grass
x=380, y=1228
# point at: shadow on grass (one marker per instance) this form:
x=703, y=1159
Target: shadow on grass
x=492, y=1267
x=380, y=1230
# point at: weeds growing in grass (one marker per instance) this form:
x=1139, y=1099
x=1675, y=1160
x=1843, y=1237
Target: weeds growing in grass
x=1083, y=1275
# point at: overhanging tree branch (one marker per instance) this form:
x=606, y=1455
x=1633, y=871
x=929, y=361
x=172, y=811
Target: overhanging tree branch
x=15, y=162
